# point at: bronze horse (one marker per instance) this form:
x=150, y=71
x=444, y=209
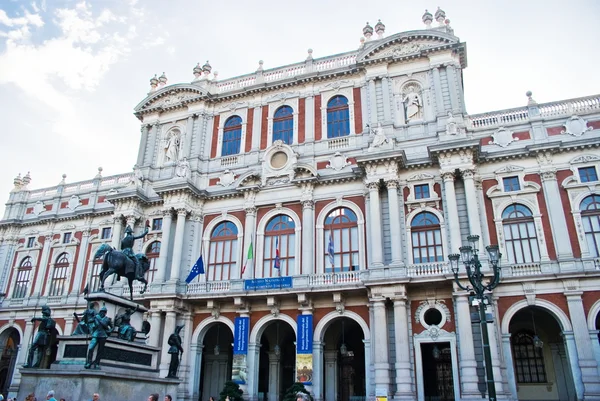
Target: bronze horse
x=116, y=262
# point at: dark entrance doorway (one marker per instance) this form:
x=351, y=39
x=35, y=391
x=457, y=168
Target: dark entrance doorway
x=438, y=381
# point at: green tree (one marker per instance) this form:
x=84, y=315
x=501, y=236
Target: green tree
x=231, y=390
x=291, y=393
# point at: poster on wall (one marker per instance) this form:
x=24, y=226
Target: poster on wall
x=304, y=345
x=239, y=366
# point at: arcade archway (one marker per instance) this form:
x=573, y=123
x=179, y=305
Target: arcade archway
x=9, y=344
x=277, y=361
x=217, y=358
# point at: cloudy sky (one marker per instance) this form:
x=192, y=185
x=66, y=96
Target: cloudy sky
x=71, y=71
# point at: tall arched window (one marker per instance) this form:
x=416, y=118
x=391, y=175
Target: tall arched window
x=59, y=275
x=519, y=234
x=590, y=216
x=528, y=359
x=222, y=251
x=338, y=117
x=232, y=136
x=152, y=253
x=283, y=125
x=341, y=240
x=23, y=274
x=279, y=238
x=426, y=238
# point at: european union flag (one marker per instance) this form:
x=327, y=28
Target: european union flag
x=197, y=269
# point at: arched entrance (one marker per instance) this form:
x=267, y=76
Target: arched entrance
x=277, y=361
x=344, y=375
x=539, y=356
x=9, y=343
x=217, y=358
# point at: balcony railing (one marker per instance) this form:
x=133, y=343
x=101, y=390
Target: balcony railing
x=428, y=269
x=327, y=279
x=526, y=269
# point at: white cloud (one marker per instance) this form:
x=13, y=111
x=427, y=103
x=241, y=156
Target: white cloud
x=28, y=19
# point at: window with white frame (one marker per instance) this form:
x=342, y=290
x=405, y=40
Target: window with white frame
x=590, y=216
x=232, y=136
x=426, y=238
x=511, y=184
x=341, y=241
x=338, y=117
x=30, y=242
x=422, y=191
x=152, y=253
x=280, y=247
x=66, y=238
x=588, y=174
x=59, y=275
x=283, y=125
x=157, y=224
x=95, y=278
x=106, y=232
x=22, y=282
x=222, y=254
x=520, y=234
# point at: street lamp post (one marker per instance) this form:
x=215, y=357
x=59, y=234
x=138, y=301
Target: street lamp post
x=469, y=256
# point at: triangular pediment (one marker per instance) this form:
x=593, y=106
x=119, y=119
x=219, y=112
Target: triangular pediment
x=406, y=44
x=170, y=97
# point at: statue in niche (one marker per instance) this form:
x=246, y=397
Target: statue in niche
x=172, y=145
x=412, y=105
x=451, y=126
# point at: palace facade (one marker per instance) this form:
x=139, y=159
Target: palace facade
x=325, y=197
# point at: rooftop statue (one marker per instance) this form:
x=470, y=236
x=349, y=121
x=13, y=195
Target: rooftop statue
x=124, y=263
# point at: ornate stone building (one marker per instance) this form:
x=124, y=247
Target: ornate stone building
x=328, y=194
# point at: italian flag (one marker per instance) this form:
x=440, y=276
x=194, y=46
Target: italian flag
x=249, y=257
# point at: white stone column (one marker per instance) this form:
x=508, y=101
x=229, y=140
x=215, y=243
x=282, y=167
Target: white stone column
x=404, y=382
x=556, y=213
x=453, y=88
x=194, y=380
x=253, y=360
x=155, y=327
x=80, y=266
x=40, y=271
x=485, y=229
x=466, y=349
x=198, y=224
x=494, y=350
x=309, y=125
x=187, y=140
x=318, y=370
x=587, y=362
x=178, y=244
x=372, y=104
x=256, y=127
x=394, y=207
x=439, y=99
x=143, y=144
x=571, y=348
x=382, y=365
x=165, y=358
x=274, y=376
x=472, y=206
x=249, y=238
x=375, y=225
x=308, y=236
x=117, y=232
x=161, y=268
x=385, y=91
x=508, y=361
x=23, y=352
x=331, y=376
x=452, y=212
x=187, y=358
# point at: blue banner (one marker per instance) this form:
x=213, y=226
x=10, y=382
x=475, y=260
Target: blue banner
x=272, y=283
x=240, y=337
x=305, y=334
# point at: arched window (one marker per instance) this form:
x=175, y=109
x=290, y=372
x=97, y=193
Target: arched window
x=519, y=234
x=341, y=240
x=338, y=117
x=280, y=247
x=222, y=251
x=232, y=136
x=283, y=125
x=528, y=359
x=95, y=279
x=59, y=275
x=152, y=253
x=23, y=274
x=426, y=238
x=590, y=216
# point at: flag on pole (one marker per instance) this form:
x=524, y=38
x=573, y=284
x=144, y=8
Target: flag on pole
x=249, y=257
x=197, y=269
x=330, y=249
x=277, y=261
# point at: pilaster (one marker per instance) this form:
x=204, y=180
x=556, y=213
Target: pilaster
x=382, y=365
x=394, y=207
x=178, y=244
x=468, y=176
x=404, y=382
x=161, y=268
x=556, y=214
x=375, y=225
x=452, y=211
x=308, y=230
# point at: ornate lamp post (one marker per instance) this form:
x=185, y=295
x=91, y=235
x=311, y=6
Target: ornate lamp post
x=469, y=256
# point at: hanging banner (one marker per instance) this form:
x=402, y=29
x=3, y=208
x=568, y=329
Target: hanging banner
x=304, y=345
x=239, y=368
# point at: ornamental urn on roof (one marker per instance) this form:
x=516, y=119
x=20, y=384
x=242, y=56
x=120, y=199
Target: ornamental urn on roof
x=440, y=16
x=26, y=179
x=427, y=19
x=153, y=83
x=379, y=29
x=206, y=68
x=162, y=79
x=368, y=31
x=197, y=71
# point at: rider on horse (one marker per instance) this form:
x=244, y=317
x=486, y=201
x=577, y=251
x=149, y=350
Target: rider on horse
x=127, y=245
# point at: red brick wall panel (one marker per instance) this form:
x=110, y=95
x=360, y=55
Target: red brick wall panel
x=264, y=129
x=523, y=135
x=545, y=218
x=566, y=205
x=215, y=137
x=552, y=131
x=301, y=120
x=489, y=210
x=249, y=129
x=358, y=124
x=318, y=133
